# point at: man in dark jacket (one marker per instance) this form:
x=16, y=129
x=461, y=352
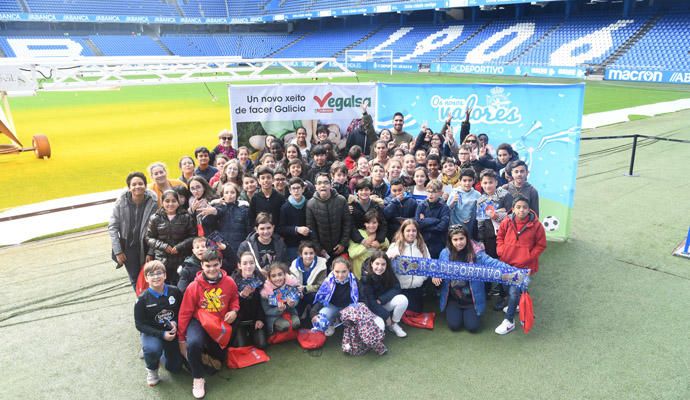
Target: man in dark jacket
x=328, y=218
x=363, y=133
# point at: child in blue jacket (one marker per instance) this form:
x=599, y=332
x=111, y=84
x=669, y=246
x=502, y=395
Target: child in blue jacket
x=433, y=217
x=463, y=301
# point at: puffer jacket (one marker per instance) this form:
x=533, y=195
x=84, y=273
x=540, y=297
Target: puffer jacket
x=329, y=221
x=178, y=233
x=232, y=222
x=521, y=243
x=434, y=226
x=361, y=333
x=118, y=225
x=410, y=250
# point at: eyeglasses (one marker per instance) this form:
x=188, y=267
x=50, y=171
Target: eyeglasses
x=470, y=141
x=156, y=274
x=225, y=138
x=279, y=179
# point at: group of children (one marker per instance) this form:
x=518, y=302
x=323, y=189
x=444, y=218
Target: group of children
x=324, y=236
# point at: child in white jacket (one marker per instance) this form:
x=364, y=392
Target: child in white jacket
x=408, y=242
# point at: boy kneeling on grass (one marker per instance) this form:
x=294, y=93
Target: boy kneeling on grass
x=155, y=316
x=519, y=242
x=212, y=291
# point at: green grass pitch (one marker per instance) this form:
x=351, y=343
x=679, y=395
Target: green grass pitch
x=98, y=137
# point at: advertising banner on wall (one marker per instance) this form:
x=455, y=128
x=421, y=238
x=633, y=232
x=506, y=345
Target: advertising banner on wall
x=541, y=122
x=257, y=111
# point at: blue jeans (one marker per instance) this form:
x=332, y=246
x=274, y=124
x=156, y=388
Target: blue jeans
x=199, y=341
x=330, y=312
x=457, y=317
x=155, y=347
x=514, y=293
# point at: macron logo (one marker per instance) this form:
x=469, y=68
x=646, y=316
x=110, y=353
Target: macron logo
x=322, y=102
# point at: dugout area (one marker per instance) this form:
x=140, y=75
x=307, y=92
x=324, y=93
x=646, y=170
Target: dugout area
x=610, y=306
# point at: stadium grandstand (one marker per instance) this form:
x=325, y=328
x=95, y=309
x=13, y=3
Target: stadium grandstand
x=624, y=40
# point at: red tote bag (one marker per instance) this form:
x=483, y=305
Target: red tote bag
x=242, y=357
x=141, y=284
x=285, y=336
x=219, y=330
x=419, y=320
x=311, y=340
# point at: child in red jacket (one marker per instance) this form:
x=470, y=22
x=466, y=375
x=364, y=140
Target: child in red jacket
x=519, y=242
x=216, y=293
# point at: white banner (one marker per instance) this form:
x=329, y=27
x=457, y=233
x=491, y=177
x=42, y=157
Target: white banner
x=257, y=111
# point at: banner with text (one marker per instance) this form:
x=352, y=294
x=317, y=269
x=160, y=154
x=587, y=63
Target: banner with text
x=257, y=111
x=541, y=122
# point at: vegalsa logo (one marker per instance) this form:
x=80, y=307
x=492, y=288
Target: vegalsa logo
x=328, y=104
x=498, y=109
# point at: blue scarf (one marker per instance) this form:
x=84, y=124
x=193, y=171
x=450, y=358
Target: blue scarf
x=297, y=205
x=305, y=274
x=456, y=270
x=327, y=289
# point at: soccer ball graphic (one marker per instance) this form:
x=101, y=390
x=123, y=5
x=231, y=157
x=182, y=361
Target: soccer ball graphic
x=550, y=224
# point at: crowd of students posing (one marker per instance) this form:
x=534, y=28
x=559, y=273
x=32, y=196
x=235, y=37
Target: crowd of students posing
x=306, y=235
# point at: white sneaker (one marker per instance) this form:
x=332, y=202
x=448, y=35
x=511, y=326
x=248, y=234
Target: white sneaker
x=329, y=331
x=517, y=309
x=395, y=328
x=152, y=377
x=505, y=327
x=198, y=388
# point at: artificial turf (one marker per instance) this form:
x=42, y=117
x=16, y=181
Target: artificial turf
x=97, y=137
x=610, y=305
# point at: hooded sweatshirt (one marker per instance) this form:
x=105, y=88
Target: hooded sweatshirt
x=216, y=298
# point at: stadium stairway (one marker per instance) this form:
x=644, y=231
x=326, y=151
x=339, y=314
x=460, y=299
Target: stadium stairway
x=178, y=8
x=342, y=52
x=467, y=39
x=94, y=49
x=24, y=6
x=536, y=42
x=165, y=48
x=286, y=46
x=628, y=44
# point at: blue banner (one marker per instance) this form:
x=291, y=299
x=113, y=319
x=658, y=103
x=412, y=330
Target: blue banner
x=456, y=270
x=510, y=70
x=647, y=75
x=541, y=122
x=363, y=10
